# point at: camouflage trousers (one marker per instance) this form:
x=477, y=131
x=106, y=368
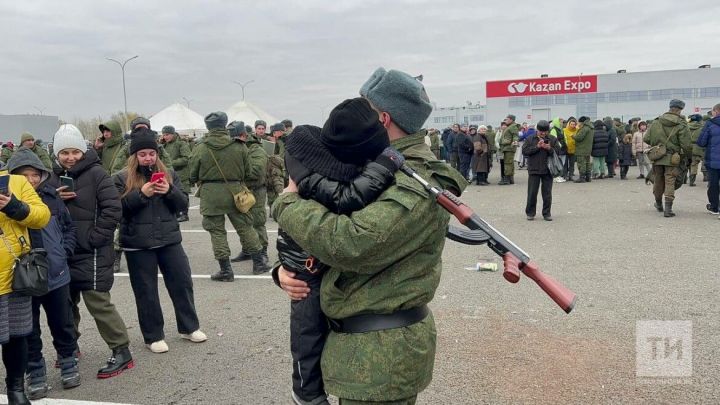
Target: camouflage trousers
x=215, y=225
x=584, y=164
x=697, y=161
x=509, y=163
x=259, y=215
x=664, y=177
x=406, y=401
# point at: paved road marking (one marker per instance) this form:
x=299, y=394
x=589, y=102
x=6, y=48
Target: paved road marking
x=227, y=230
x=50, y=401
x=207, y=276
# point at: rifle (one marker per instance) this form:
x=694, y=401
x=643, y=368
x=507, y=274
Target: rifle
x=515, y=260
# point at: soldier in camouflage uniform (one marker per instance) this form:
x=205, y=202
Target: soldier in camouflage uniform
x=671, y=130
x=434, y=142
x=220, y=166
x=27, y=141
x=288, y=124
x=583, y=148
x=260, y=128
x=109, y=144
x=7, y=151
x=384, y=259
x=695, y=127
x=508, y=146
x=276, y=174
x=179, y=152
x=124, y=154
x=255, y=181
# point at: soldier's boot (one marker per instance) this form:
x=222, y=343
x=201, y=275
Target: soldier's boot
x=69, y=372
x=225, y=273
x=692, y=180
x=264, y=253
x=260, y=264
x=511, y=179
x=118, y=261
x=659, y=205
x=16, y=391
x=241, y=257
x=580, y=179
x=649, y=180
x=503, y=181
x=587, y=177
x=183, y=217
x=37, y=386
x=668, y=213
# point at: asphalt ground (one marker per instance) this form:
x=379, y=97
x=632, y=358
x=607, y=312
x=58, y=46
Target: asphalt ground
x=497, y=342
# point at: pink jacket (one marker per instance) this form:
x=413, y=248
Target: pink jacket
x=637, y=143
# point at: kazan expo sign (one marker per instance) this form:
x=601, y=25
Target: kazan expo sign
x=542, y=87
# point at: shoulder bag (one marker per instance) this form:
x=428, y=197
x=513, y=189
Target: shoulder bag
x=30, y=272
x=244, y=199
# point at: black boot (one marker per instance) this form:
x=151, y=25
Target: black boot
x=225, y=273
x=260, y=264
x=117, y=263
x=477, y=179
x=37, y=386
x=511, y=179
x=264, y=253
x=69, y=372
x=692, y=180
x=668, y=213
x=241, y=257
x=587, y=177
x=119, y=361
x=659, y=205
x=183, y=217
x=504, y=181
x=16, y=391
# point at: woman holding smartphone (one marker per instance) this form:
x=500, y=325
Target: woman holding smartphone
x=150, y=236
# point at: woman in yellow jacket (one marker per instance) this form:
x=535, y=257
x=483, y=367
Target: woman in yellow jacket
x=21, y=208
x=570, y=131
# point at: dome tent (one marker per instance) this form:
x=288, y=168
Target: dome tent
x=249, y=113
x=185, y=120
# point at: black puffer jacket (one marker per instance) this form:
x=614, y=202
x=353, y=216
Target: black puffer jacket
x=613, y=142
x=601, y=140
x=150, y=222
x=96, y=212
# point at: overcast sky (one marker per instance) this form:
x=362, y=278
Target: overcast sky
x=306, y=56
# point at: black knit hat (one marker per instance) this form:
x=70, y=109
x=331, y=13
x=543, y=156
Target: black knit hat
x=143, y=138
x=305, y=150
x=353, y=133
x=543, y=125
x=583, y=119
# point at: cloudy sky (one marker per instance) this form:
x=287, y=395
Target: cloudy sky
x=306, y=56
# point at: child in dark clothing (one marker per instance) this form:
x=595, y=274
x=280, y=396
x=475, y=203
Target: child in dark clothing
x=58, y=239
x=345, y=166
x=625, y=155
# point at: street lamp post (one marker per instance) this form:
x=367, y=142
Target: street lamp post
x=40, y=110
x=242, y=85
x=187, y=101
x=122, y=67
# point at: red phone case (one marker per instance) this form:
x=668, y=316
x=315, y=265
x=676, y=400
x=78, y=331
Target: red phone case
x=157, y=177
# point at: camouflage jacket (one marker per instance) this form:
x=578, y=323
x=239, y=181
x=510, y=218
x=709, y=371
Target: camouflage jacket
x=179, y=153
x=258, y=162
x=509, y=135
x=584, y=139
x=111, y=148
x=216, y=196
x=377, y=268
x=6, y=154
x=695, y=129
x=672, y=130
x=275, y=175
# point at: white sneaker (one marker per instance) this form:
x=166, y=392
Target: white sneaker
x=196, y=337
x=158, y=347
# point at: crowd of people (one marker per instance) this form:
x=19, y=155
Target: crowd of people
x=359, y=286
x=589, y=150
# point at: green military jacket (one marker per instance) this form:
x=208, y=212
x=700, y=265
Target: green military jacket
x=378, y=268
x=490, y=135
x=584, y=139
x=179, y=153
x=216, y=196
x=510, y=134
x=41, y=154
x=275, y=175
x=124, y=154
x=672, y=130
x=110, y=151
x=258, y=162
x=695, y=129
x=6, y=154
x=434, y=143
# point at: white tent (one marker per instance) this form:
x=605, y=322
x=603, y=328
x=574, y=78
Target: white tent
x=185, y=120
x=249, y=113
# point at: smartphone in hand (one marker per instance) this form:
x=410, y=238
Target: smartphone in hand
x=157, y=177
x=5, y=184
x=68, y=182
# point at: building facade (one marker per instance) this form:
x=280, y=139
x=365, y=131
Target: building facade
x=623, y=95
x=41, y=126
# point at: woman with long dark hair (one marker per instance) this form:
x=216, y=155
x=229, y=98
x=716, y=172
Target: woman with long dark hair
x=151, y=198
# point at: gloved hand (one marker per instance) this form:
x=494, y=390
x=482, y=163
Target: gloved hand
x=391, y=159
